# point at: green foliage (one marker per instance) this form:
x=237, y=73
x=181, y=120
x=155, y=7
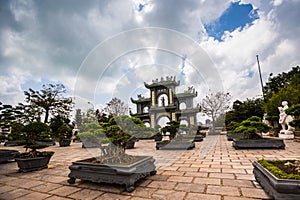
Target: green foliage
x=232, y=125
x=283, y=87
x=50, y=99
x=295, y=111
x=56, y=122
x=251, y=126
x=172, y=128
x=269, y=165
x=65, y=132
x=243, y=110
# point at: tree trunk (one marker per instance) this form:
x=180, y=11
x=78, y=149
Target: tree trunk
x=46, y=116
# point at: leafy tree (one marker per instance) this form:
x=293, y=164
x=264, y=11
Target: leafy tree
x=215, y=104
x=275, y=83
x=116, y=107
x=243, y=110
x=50, y=100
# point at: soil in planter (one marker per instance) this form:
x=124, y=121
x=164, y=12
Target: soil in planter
x=128, y=161
x=287, y=169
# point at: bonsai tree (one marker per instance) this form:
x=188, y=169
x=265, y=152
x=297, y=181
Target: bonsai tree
x=251, y=127
x=112, y=136
x=172, y=128
x=35, y=131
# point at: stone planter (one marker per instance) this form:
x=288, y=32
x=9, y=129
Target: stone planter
x=14, y=143
x=175, y=145
x=33, y=164
x=64, y=143
x=7, y=155
x=49, y=143
x=126, y=175
x=232, y=136
x=258, y=143
x=130, y=145
x=157, y=138
x=277, y=188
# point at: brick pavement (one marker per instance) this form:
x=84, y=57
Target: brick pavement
x=220, y=173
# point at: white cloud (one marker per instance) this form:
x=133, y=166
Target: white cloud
x=48, y=40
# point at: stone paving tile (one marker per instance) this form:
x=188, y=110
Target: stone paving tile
x=13, y=194
x=190, y=187
x=183, y=179
x=237, y=183
x=237, y=198
x=222, y=175
x=197, y=196
x=46, y=187
x=5, y=188
x=34, y=195
x=64, y=190
x=254, y=193
x=143, y=192
x=222, y=190
x=162, y=185
x=196, y=174
x=57, y=198
x=86, y=194
x=109, y=196
x=168, y=194
x=212, y=181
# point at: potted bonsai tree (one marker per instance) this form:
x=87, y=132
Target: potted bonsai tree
x=32, y=159
x=251, y=129
x=175, y=140
x=112, y=165
x=295, y=111
x=279, y=178
x=65, y=135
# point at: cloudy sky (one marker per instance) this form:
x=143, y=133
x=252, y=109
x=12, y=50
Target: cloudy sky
x=101, y=49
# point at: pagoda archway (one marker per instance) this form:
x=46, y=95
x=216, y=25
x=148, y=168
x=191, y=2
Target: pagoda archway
x=163, y=120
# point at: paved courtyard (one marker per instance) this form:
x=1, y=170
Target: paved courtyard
x=213, y=170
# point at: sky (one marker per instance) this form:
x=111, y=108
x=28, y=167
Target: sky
x=101, y=49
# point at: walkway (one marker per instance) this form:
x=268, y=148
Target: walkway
x=220, y=173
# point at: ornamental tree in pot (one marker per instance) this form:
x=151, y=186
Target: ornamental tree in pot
x=65, y=135
x=251, y=129
x=32, y=159
x=112, y=164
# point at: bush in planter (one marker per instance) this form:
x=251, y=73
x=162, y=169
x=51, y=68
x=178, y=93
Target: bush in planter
x=32, y=159
x=65, y=135
x=112, y=164
x=251, y=127
x=279, y=178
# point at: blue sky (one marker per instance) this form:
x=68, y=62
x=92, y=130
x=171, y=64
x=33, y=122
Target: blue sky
x=235, y=16
x=50, y=42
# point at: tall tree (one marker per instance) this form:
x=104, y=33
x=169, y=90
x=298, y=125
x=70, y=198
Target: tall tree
x=215, y=104
x=244, y=110
x=116, y=107
x=50, y=99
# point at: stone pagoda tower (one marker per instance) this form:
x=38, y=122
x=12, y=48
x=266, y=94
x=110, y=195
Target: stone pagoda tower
x=165, y=105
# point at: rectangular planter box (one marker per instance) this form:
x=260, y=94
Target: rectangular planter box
x=232, y=136
x=277, y=188
x=258, y=144
x=114, y=174
x=7, y=155
x=32, y=164
x=175, y=145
